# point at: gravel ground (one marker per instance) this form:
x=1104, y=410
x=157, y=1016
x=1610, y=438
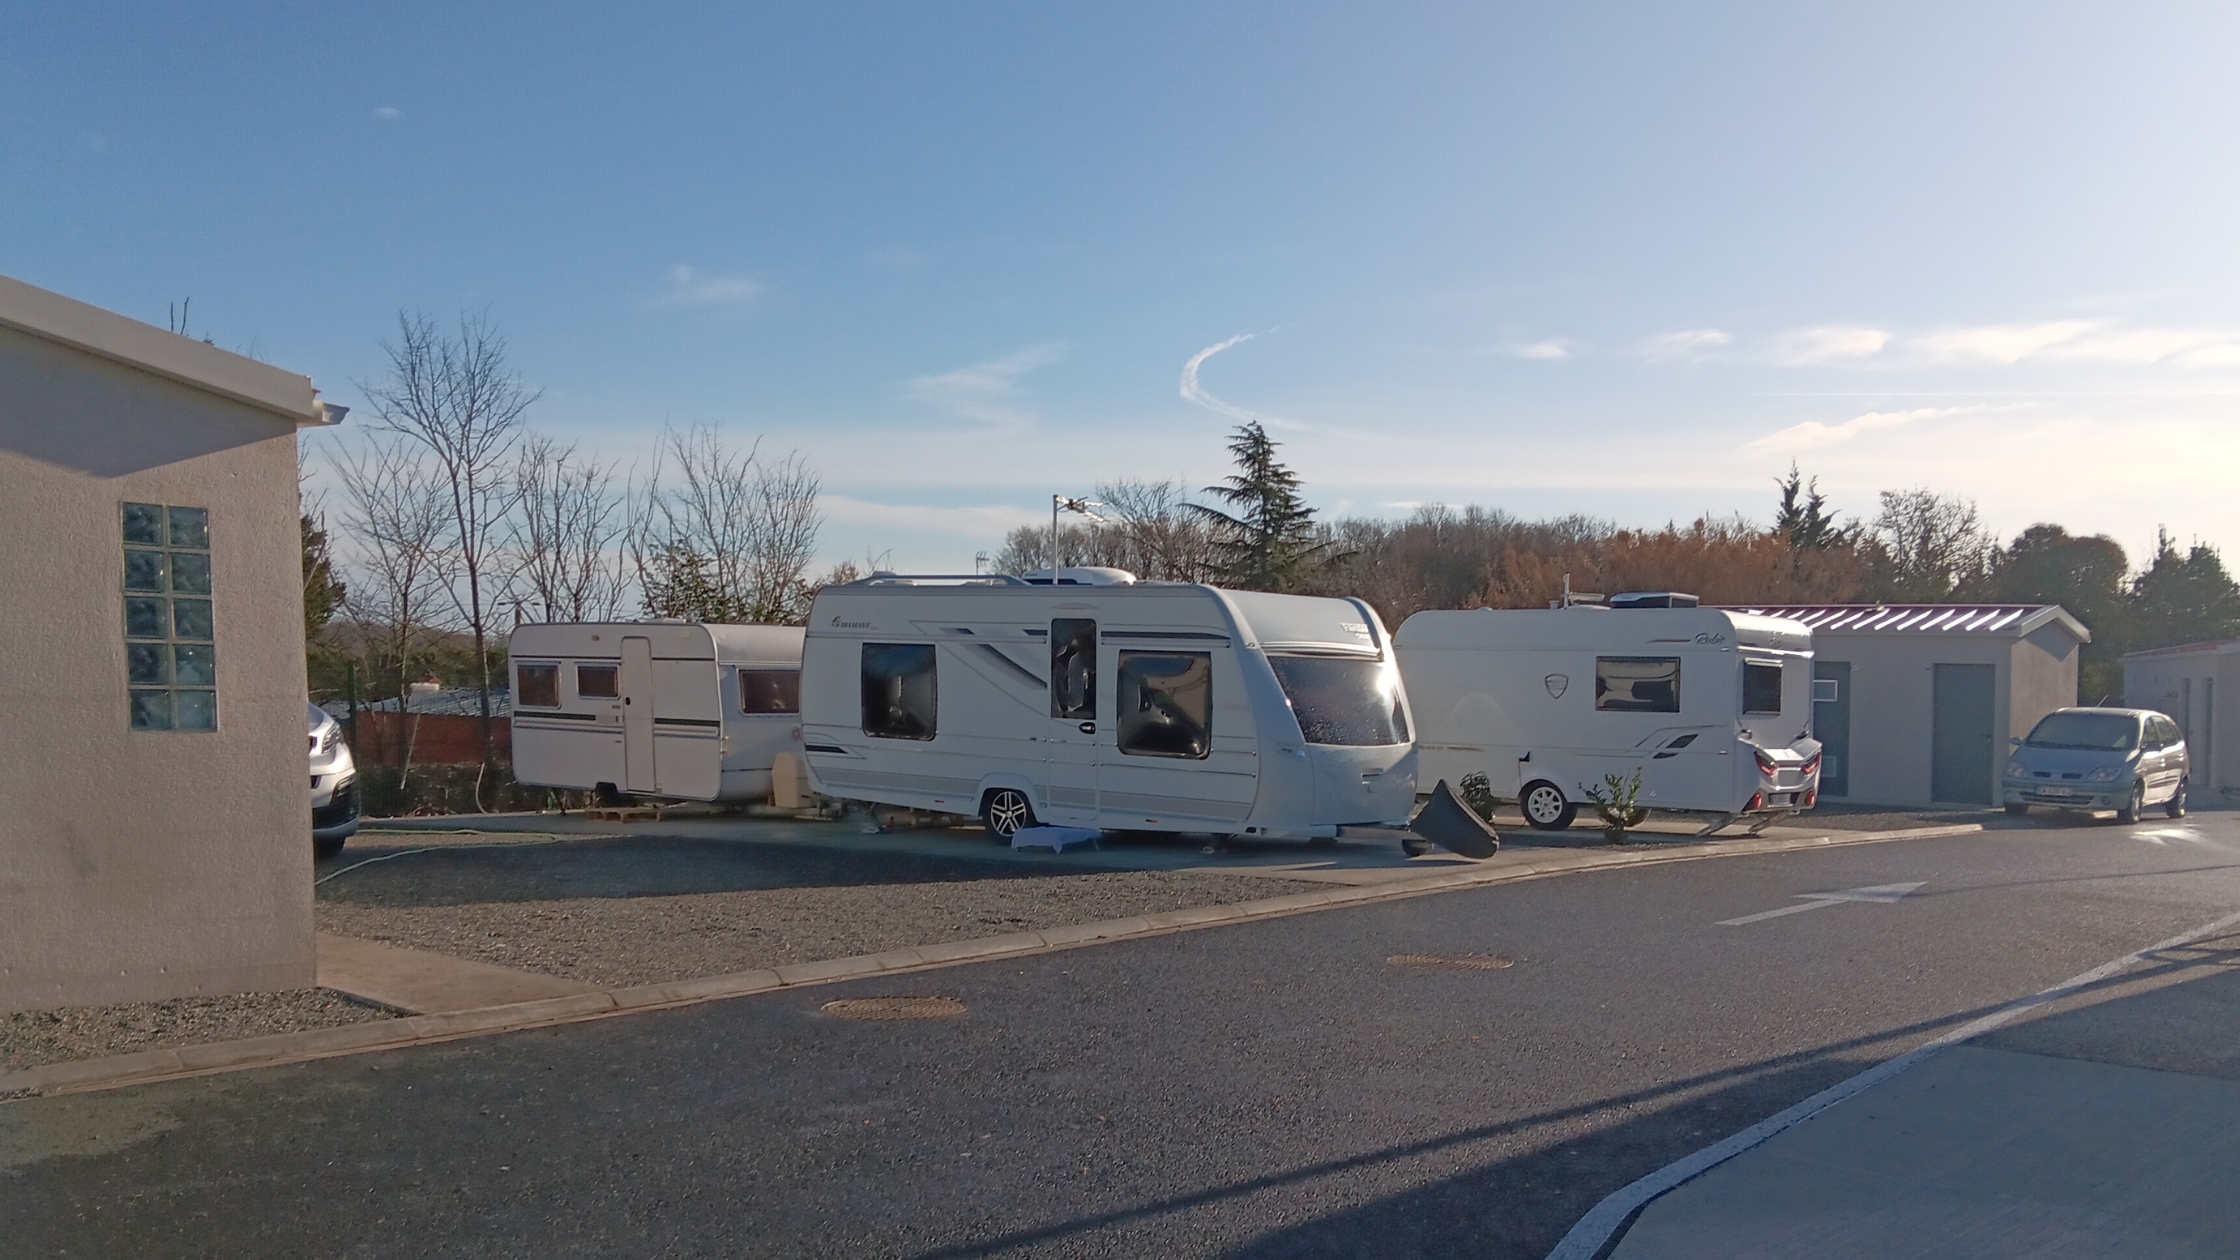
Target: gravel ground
x=31, y=1038
x=645, y=940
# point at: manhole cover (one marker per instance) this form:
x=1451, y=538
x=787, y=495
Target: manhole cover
x=1452, y=962
x=894, y=1008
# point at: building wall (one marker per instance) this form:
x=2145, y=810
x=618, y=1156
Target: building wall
x=2200, y=690
x=1893, y=700
x=138, y=865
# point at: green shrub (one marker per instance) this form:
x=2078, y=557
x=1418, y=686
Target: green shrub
x=1477, y=793
x=1617, y=801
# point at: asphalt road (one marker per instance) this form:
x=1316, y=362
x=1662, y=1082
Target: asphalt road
x=1273, y=1089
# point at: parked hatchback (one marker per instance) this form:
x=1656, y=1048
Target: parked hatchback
x=2120, y=759
x=334, y=786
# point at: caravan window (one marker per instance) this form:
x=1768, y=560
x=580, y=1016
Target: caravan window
x=899, y=692
x=1073, y=668
x=769, y=691
x=1761, y=687
x=599, y=682
x=1637, y=684
x=1166, y=704
x=536, y=686
x=1348, y=702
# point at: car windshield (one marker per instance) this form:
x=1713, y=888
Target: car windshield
x=2097, y=732
x=1340, y=701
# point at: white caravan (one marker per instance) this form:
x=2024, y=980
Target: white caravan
x=1111, y=704
x=1713, y=708
x=672, y=709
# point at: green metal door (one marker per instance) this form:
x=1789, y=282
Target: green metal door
x=1960, y=738
x=1831, y=725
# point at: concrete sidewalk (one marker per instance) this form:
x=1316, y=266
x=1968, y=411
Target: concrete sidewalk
x=2106, y=1125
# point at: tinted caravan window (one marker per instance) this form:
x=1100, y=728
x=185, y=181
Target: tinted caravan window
x=899, y=695
x=1073, y=668
x=1342, y=702
x=599, y=682
x=769, y=691
x=1637, y=684
x=536, y=686
x=1761, y=686
x=1166, y=704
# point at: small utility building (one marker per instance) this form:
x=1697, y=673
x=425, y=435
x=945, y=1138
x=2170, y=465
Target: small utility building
x=154, y=795
x=1915, y=702
x=2187, y=682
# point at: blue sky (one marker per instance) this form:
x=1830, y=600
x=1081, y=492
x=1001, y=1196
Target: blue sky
x=1619, y=259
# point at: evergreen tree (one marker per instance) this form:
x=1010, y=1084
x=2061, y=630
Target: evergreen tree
x=2046, y=564
x=2185, y=598
x=679, y=583
x=322, y=590
x=1268, y=540
x=1803, y=517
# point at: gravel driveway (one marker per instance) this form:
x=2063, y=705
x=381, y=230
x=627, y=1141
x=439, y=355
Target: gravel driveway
x=645, y=909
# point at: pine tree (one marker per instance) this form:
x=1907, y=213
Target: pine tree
x=1268, y=538
x=2185, y=598
x=1803, y=517
x=679, y=584
x=322, y=590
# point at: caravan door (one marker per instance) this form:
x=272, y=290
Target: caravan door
x=637, y=715
x=1069, y=789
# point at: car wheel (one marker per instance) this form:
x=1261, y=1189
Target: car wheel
x=2176, y=806
x=1006, y=812
x=2133, y=805
x=323, y=847
x=1545, y=808
x=2017, y=807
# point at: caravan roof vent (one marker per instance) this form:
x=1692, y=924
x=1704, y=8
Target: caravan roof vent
x=1654, y=599
x=1083, y=575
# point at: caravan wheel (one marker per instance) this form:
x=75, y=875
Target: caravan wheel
x=1545, y=808
x=1005, y=812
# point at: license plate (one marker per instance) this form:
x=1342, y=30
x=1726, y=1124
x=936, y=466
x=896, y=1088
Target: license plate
x=1784, y=798
x=2058, y=791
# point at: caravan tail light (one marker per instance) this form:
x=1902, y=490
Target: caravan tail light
x=1757, y=802
x=1811, y=798
x=1765, y=762
x=1812, y=765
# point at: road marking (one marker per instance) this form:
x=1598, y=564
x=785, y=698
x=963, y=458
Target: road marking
x=1880, y=894
x=1596, y=1230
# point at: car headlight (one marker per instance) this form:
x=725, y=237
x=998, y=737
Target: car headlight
x=2105, y=774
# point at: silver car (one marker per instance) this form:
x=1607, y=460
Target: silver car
x=334, y=786
x=2089, y=759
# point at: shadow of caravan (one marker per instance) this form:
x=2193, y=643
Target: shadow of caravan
x=670, y=709
x=1713, y=709
x=1117, y=704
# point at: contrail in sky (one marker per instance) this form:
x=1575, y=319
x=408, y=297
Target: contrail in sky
x=1197, y=393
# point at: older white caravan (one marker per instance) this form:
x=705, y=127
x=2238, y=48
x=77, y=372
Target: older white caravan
x=1713, y=708
x=655, y=708
x=1127, y=706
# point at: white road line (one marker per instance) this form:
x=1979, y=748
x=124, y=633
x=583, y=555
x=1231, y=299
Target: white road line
x=1600, y=1226
x=1880, y=894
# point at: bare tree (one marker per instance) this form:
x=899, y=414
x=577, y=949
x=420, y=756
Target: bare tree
x=721, y=535
x=457, y=396
x=395, y=515
x=1926, y=544
x=566, y=533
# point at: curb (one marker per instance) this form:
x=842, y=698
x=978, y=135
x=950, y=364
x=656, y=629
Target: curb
x=150, y=1066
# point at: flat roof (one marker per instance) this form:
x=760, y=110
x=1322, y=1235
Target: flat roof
x=2011, y=621
x=81, y=326
x=2207, y=647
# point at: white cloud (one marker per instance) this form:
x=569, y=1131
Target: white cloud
x=1812, y=434
x=1544, y=350
x=987, y=392
x=1691, y=343
x=1832, y=344
x=688, y=287
x=387, y=112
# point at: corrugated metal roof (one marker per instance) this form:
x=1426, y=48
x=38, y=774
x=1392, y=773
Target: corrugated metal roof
x=2004, y=620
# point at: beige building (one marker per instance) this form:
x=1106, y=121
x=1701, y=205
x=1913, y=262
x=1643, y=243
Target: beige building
x=1915, y=703
x=154, y=801
x=2196, y=685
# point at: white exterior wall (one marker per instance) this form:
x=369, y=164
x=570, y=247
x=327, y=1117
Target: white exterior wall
x=138, y=865
x=2199, y=688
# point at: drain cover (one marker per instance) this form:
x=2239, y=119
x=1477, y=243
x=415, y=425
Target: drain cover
x=1452, y=962
x=894, y=1008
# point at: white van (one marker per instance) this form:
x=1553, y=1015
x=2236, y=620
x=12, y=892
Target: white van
x=1119, y=705
x=671, y=709
x=1713, y=708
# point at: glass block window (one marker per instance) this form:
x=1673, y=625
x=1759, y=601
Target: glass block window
x=171, y=662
